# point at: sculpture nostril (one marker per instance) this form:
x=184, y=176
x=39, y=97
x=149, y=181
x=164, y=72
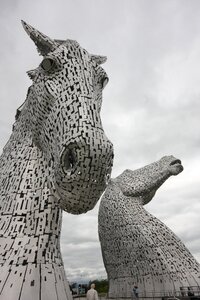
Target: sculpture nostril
x=69, y=160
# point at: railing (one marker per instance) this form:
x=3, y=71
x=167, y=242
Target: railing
x=83, y=296
x=195, y=297
x=185, y=293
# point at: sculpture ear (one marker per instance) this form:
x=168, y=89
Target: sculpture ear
x=99, y=59
x=44, y=43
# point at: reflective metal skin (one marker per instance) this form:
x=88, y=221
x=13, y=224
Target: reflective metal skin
x=57, y=158
x=137, y=248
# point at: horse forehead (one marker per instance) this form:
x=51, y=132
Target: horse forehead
x=74, y=48
x=68, y=42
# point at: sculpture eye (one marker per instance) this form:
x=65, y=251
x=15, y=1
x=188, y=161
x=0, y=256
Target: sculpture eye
x=47, y=64
x=104, y=81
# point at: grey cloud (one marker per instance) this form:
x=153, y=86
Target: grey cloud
x=150, y=108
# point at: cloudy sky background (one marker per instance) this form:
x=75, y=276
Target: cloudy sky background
x=151, y=106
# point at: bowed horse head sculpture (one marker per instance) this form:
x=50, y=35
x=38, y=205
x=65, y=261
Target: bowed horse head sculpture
x=144, y=182
x=63, y=114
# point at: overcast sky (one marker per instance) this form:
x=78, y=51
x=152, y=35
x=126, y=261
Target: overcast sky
x=151, y=106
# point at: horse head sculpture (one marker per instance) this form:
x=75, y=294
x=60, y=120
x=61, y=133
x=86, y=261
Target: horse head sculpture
x=136, y=246
x=62, y=112
x=57, y=158
x=144, y=182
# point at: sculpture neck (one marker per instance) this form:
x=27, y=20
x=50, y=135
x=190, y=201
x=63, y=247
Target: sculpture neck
x=31, y=215
x=23, y=171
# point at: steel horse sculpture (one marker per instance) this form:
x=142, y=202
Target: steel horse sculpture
x=137, y=248
x=57, y=158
